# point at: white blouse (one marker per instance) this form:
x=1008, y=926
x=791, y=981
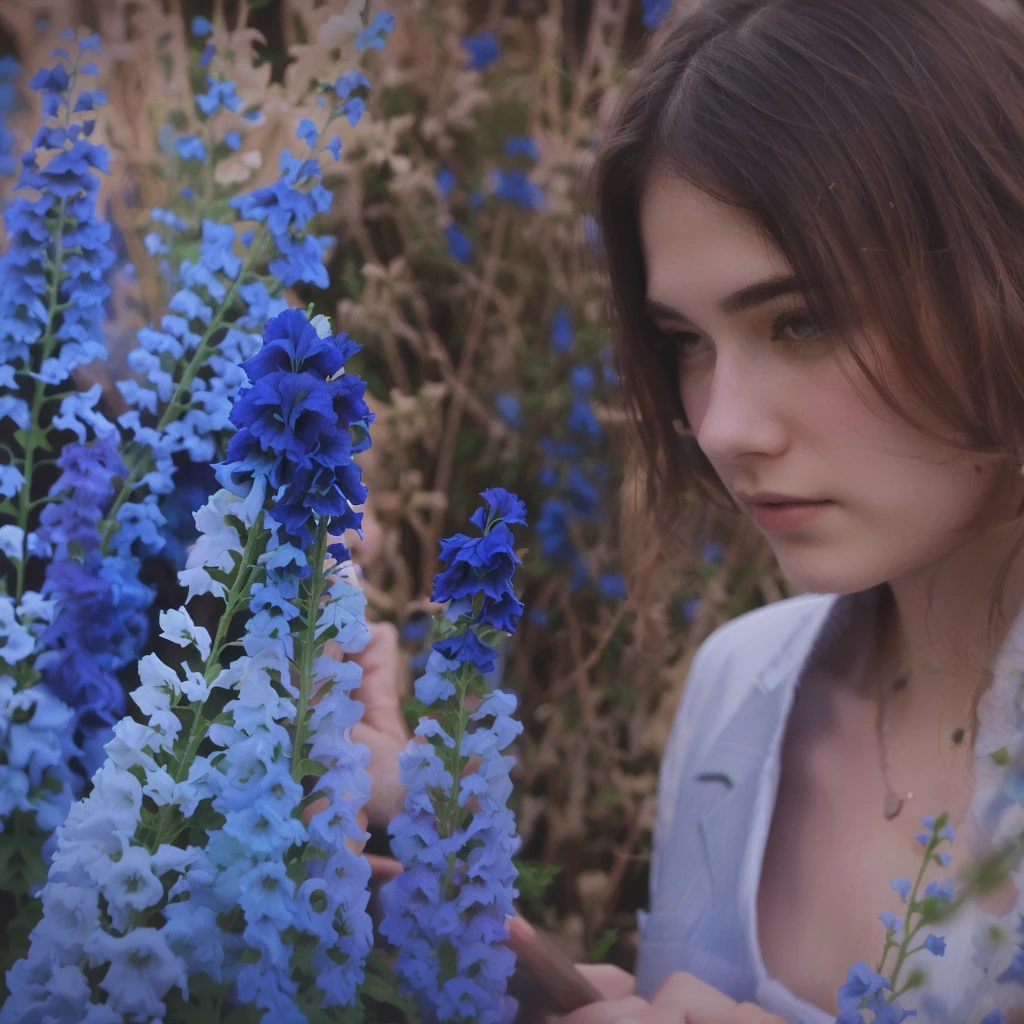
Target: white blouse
x=719, y=942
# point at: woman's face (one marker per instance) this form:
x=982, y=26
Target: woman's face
x=765, y=393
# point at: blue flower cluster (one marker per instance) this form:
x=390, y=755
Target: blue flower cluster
x=296, y=422
x=189, y=372
x=269, y=907
x=53, y=223
x=52, y=291
x=100, y=619
x=506, y=184
x=446, y=912
x=298, y=195
x=574, y=473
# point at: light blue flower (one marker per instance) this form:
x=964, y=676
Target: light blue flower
x=373, y=36
x=901, y=886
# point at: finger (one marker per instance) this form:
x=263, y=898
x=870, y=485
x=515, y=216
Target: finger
x=699, y=1003
x=616, y=1012
x=751, y=1014
x=379, y=687
x=612, y=982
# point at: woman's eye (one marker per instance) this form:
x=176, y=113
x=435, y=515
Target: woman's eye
x=682, y=342
x=798, y=328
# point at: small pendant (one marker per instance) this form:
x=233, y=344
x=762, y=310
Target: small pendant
x=893, y=805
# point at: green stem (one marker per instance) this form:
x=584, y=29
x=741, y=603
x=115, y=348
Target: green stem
x=46, y=342
x=236, y=599
x=909, y=933
x=307, y=643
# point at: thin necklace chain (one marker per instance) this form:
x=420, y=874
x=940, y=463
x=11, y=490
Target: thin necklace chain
x=893, y=801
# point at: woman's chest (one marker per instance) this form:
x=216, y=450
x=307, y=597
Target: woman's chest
x=831, y=854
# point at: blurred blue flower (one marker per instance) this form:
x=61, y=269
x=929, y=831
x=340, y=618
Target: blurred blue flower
x=515, y=187
x=482, y=49
x=561, y=332
x=445, y=181
x=509, y=409
x=712, y=552
x=459, y=244
x=521, y=145
x=611, y=584
x=372, y=37
x=655, y=11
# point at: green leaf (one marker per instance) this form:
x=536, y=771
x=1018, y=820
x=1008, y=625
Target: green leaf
x=533, y=883
x=380, y=986
x=311, y=798
x=604, y=945
x=328, y=634
x=307, y=766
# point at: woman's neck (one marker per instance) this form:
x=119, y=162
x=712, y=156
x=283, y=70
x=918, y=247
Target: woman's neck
x=934, y=623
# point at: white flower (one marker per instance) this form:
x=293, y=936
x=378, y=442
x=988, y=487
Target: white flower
x=322, y=325
x=128, y=747
x=195, y=687
x=177, y=626
x=159, y=785
x=33, y=605
x=18, y=640
x=12, y=539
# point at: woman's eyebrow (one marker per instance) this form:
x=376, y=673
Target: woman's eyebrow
x=739, y=302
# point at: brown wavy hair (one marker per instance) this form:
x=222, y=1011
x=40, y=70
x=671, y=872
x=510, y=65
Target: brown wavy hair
x=880, y=143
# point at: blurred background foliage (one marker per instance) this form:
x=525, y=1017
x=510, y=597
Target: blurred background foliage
x=465, y=262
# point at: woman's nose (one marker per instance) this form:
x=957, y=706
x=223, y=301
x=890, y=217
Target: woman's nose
x=744, y=410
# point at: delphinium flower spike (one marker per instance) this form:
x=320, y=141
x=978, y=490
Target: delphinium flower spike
x=54, y=713
x=446, y=912
x=197, y=875
x=879, y=989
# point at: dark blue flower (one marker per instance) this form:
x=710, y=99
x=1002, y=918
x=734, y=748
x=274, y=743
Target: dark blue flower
x=296, y=425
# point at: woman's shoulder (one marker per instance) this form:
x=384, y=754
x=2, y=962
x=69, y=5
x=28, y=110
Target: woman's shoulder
x=773, y=639
x=755, y=640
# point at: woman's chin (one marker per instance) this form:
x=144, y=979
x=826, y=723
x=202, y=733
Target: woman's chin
x=827, y=579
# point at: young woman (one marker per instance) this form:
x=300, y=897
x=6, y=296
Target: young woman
x=812, y=215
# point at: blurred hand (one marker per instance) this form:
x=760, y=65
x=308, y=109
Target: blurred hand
x=382, y=727
x=682, y=999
